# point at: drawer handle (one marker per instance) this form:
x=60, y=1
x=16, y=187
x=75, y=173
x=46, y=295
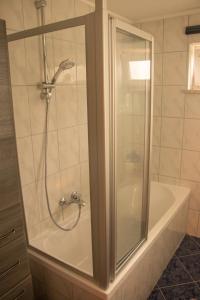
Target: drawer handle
x=6, y=235
x=6, y=273
x=19, y=295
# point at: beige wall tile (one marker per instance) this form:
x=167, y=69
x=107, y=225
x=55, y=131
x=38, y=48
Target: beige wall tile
x=155, y=160
x=67, y=106
x=156, y=29
x=190, y=168
x=34, y=59
x=82, y=8
x=174, y=34
x=85, y=181
x=157, y=103
x=31, y=204
x=170, y=161
x=68, y=147
x=193, y=219
x=17, y=62
x=194, y=19
x=173, y=101
x=175, y=68
x=82, y=104
x=169, y=180
x=158, y=69
x=81, y=64
x=83, y=140
x=32, y=16
x=195, y=194
x=25, y=156
x=137, y=103
x=156, y=131
x=21, y=111
x=12, y=12
x=39, y=154
x=68, y=34
x=192, y=106
x=191, y=138
x=70, y=180
x=38, y=111
x=62, y=51
x=54, y=194
x=62, y=9
x=172, y=132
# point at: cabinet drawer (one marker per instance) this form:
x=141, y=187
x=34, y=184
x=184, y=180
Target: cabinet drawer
x=13, y=265
x=9, y=178
x=11, y=225
x=23, y=291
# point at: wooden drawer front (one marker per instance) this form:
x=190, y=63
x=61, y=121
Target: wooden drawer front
x=23, y=291
x=9, y=178
x=11, y=225
x=13, y=265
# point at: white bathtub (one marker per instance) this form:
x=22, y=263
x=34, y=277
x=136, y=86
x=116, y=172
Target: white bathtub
x=167, y=223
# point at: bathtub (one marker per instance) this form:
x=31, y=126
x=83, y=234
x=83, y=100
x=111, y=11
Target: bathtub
x=167, y=224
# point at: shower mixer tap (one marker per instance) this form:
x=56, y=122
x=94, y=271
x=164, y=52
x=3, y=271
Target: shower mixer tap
x=75, y=198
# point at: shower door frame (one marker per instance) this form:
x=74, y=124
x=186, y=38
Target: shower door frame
x=114, y=25
x=95, y=61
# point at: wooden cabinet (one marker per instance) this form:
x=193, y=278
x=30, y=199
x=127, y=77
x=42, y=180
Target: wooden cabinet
x=15, y=279
x=22, y=291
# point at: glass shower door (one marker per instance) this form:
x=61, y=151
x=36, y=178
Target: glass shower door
x=131, y=137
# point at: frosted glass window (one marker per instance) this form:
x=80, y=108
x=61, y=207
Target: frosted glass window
x=194, y=67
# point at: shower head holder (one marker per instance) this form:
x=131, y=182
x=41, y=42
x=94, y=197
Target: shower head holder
x=40, y=3
x=46, y=90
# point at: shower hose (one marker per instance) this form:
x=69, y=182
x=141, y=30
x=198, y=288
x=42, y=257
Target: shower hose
x=46, y=187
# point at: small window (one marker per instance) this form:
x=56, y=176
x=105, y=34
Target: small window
x=194, y=67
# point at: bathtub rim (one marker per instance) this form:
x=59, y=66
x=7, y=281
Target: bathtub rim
x=87, y=282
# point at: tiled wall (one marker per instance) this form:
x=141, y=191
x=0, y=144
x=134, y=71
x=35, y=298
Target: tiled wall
x=176, y=147
x=68, y=151
x=176, y=132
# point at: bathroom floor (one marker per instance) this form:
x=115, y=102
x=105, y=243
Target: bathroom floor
x=181, y=278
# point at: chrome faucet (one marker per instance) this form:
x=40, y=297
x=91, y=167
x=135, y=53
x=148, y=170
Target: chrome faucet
x=75, y=198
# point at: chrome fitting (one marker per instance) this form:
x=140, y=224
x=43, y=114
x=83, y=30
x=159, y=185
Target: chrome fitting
x=40, y=3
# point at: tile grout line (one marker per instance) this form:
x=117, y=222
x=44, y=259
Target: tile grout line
x=162, y=293
x=185, y=269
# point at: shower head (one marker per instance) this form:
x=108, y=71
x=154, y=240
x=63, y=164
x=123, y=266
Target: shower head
x=64, y=65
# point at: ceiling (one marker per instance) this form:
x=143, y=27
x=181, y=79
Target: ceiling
x=149, y=9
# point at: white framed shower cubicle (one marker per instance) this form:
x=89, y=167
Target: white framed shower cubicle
x=105, y=115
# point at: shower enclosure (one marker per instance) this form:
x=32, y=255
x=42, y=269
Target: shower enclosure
x=98, y=135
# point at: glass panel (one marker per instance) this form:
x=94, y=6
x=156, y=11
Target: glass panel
x=132, y=80
x=67, y=161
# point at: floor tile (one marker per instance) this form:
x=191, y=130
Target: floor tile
x=182, y=292
x=196, y=239
x=192, y=264
x=187, y=247
x=156, y=295
x=174, y=274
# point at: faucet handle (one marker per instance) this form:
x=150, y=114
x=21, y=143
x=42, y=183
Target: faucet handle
x=76, y=196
